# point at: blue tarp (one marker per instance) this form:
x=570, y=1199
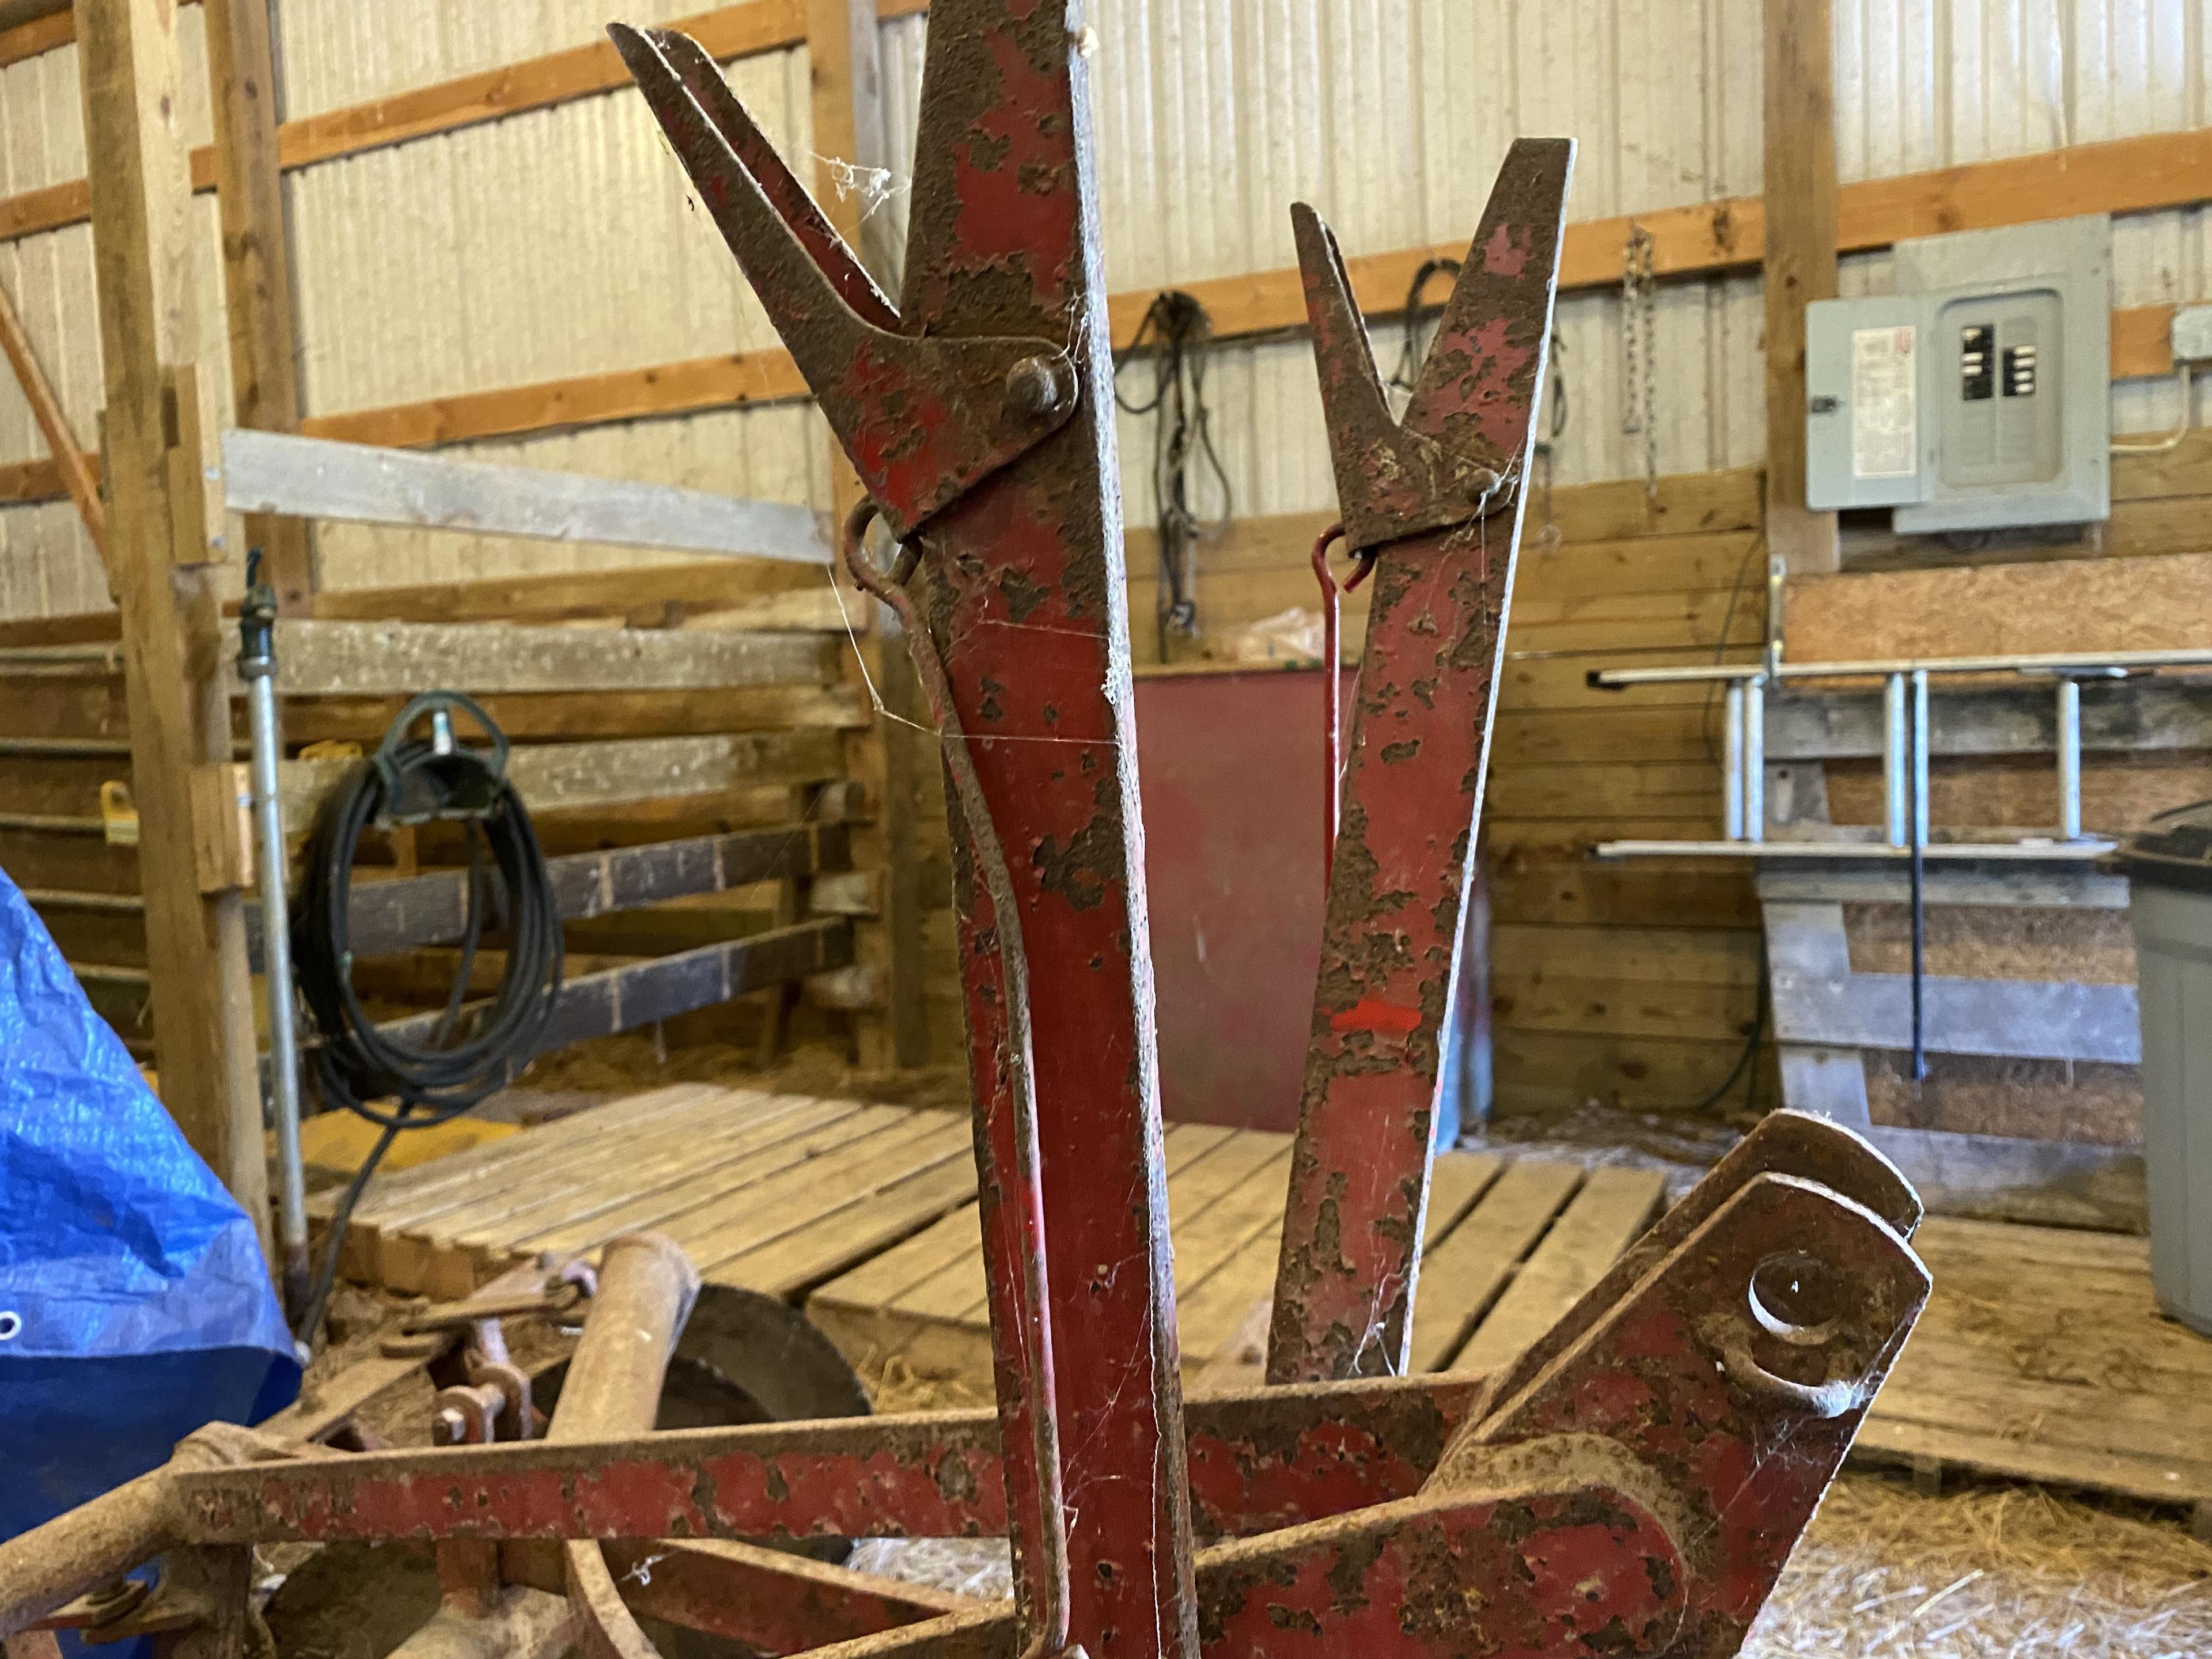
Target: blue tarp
x=135, y=1305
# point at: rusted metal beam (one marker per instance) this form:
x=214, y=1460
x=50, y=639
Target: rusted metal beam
x=975, y=412
x=1435, y=500
x=771, y=1602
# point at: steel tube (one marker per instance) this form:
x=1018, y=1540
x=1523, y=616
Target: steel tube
x=1896, y=752
x=2056, y=662
x=645, y=1290
x=1754, y=760
x=1732, y=773
x=94, y=1545
x=277, y=970
x=646, y=1286
x=2086, y=851
x=2070, y=759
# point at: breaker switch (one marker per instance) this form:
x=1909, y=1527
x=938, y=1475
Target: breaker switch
x=1978, y=368
x=2020, y=371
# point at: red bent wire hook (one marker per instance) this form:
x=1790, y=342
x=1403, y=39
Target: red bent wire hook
x=1332, y=690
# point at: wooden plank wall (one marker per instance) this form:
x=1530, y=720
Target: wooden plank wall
x=2138, y=582
x=1632, y=985
x=747, y=756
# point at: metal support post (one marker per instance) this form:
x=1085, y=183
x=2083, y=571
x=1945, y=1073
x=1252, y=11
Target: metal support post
x=257, y=666
x=1732, y=780
x=2070, y=759
x=1754, y=760
x=1895, y=759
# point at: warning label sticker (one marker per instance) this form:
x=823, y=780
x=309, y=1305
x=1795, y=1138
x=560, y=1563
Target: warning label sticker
x=1885, y=403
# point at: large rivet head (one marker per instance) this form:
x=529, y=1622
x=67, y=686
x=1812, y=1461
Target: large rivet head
x=1033, y=388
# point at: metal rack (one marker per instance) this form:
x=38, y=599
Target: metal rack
x=1906, y=687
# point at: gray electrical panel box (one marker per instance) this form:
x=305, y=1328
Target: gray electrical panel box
x=1978, y=396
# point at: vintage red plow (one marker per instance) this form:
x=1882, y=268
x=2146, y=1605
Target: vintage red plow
x=1633, y=1485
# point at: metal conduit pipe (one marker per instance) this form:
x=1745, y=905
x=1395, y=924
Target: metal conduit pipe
x=1754, y=760
x=1732, y=773
x=2051, y=663
x=2070, y=759
x=1896, y=755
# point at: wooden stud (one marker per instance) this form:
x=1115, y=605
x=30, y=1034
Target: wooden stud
x=1801, y=263
x=192, y=461
x=45, y=408
x=143, y=233
x=257, y=263
x=223, y=826
x=885, y=990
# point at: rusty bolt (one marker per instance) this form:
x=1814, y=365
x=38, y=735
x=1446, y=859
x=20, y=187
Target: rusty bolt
x=447, y=1427
x=110, y=1601
x=1033, y=388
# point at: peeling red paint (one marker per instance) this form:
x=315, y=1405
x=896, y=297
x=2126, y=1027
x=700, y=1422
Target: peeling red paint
x=1436, y=501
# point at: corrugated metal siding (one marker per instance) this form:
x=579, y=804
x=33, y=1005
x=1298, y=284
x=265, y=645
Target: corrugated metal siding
x=555, y=243
x=47, y=564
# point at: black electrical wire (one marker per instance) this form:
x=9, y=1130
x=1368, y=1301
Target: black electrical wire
x=1413, y=352
x=356, y=1065
x=1176, y=332
x=1750, y=1047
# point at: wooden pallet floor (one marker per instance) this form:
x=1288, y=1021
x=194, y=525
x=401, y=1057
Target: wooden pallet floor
x=774, y=1193
x=2043, y=1356
x=1509, y=1246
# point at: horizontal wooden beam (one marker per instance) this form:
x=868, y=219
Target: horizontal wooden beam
x=2063, y=888
x=357, y=658
x=623, y=998
x=2045, y=1183
x=2139, y=174
x=28, y=28
x=2128, y=715
x=568, y=776
x=433, y=909
x=312, y=478
x=744, y=30
x=2029, y=1019
x=749, y=29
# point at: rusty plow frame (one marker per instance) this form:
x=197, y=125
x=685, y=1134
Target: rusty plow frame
x=1633, y=1483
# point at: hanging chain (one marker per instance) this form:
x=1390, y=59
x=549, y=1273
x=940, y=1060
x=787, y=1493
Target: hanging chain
x=1639, y=350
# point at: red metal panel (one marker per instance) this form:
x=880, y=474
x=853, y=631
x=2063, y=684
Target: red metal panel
x=1231, y=764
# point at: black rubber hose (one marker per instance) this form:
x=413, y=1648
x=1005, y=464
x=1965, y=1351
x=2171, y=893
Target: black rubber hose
x=433, y=1082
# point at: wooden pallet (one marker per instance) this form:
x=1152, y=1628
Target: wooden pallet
x=774, y=1193
x=1508, y=1247
x=2042, y=1356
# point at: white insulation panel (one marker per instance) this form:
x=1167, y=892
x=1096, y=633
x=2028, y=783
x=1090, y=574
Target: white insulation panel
x=560, y=242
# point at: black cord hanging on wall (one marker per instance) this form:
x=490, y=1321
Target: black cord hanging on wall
x=1176, y=334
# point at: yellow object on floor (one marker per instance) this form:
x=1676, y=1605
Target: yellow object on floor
x=338, y=1142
